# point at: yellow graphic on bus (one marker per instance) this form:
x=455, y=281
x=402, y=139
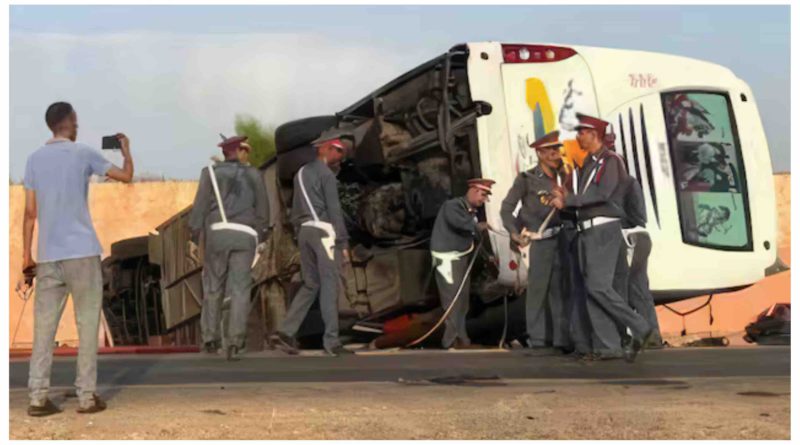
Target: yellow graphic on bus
x=543, y=117
x=544, y=120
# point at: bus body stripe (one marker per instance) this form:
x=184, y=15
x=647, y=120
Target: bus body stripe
x=634, y=149
x=624, y=145
x=648, y=167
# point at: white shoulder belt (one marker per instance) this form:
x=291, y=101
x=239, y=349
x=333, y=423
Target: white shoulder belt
x=329, y=241
x=224, y=224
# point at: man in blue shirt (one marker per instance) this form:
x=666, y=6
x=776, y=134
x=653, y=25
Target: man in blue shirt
x=56, y=191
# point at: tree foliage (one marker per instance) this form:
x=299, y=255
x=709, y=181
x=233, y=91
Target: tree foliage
x=260, y=137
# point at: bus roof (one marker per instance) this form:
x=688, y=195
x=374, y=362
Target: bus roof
x=615, y=72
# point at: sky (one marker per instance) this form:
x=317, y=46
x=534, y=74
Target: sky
x=173, y=77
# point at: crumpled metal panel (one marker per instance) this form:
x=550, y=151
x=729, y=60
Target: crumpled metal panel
x=281, y=258
x=181, y=282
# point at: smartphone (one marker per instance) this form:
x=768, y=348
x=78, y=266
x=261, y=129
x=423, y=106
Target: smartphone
x=111, y=143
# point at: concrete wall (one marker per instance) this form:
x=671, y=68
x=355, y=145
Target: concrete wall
x=119, y=211
x=122, y=211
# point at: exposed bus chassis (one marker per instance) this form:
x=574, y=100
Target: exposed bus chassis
x=416, y=146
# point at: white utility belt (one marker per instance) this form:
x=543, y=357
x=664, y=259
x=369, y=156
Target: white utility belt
x=446, y=259
x=329, y=241
x=594, y=222
x=630, y=243
x=237, y=227
x=626, y=233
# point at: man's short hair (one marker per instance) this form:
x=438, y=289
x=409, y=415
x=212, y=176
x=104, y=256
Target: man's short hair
x=56, y=113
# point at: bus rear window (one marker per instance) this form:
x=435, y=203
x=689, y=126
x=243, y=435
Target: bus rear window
x=708, y=170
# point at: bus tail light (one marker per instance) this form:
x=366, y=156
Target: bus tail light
x=535, y=53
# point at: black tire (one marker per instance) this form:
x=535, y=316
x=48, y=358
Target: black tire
x=291, y=160
x=301, y=132
x=130, y=248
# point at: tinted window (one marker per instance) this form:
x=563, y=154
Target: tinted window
x=708, y=170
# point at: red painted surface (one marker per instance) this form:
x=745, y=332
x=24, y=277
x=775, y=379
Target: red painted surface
x=71, y=352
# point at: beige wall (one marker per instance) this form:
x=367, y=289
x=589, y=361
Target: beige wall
x=783, y=190
x=123, y=211
x=119, y=211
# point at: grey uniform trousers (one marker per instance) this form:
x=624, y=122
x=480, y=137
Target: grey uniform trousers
x=544, y=301
x=639, y=295
x=320, y=278
x=607, y=335
x=599, y=252
x=83, y=279
x=580, y=327
x=226, y=277
x=455, y=326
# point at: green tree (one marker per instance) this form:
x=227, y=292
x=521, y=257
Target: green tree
x=260, y=137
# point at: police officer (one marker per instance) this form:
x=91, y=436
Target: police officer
x=232, y=212
x=638, y=247
x=452, y=240
x=596, y=197
x=323, y=242
x=544, y=311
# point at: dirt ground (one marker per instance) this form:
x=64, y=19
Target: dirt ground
x=687, y=408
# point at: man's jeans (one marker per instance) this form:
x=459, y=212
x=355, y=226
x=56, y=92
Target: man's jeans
x=82, y=278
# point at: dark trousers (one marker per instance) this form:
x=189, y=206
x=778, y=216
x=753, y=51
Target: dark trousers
x=639, y=295
x=545, y=317
x=599, y=255
x=226, y=276
x=455, y=326
x=320, y=279
x=575, y=310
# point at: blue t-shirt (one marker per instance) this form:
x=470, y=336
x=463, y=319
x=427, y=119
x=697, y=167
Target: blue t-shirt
x=59, y=173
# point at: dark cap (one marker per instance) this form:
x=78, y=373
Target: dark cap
x=333, y=134
x=481, y=184
x=231, y=143
x=591, y=122
x=550, y=140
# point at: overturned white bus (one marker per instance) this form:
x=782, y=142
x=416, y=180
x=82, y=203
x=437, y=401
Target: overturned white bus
x=689, y=130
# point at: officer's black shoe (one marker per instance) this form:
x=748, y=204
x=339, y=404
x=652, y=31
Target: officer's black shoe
x=231, y=352
x=579, y=356
x=96, y=406
x=656, y=342
x=211, y=347
x=338, y=350
x=637, y=345
x=49, y=408
x=566, y=350
x=284, y=343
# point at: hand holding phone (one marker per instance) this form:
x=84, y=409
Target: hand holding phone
x=111, y=143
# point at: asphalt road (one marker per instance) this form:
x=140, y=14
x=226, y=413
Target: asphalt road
x=127, y=370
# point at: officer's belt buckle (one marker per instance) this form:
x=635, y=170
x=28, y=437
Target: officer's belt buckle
x=551, y=232
x=594, y=222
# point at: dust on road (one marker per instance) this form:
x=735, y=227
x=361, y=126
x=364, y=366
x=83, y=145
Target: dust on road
x=679, y=408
